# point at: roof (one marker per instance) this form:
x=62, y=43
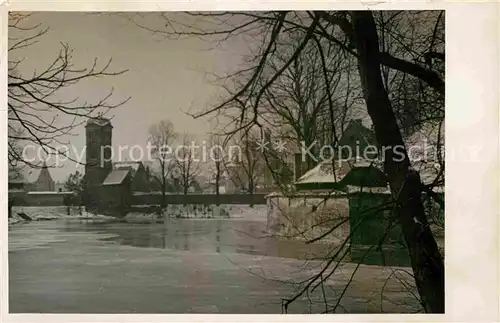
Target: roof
x=116, y=177
x=99, y=121
x=358, y=174
x=356, y=136
x=132, y=166
x=127, y=165
x=331, y=172
x=44, y=174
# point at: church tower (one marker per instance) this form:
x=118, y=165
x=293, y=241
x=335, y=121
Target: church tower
x=98, y=162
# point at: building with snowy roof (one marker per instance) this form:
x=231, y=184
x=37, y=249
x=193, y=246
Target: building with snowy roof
x=351, y=194
x=356, y=165
x=109, y=186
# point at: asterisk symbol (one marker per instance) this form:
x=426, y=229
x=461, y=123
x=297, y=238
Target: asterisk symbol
x=280, y=145
x=262, y=145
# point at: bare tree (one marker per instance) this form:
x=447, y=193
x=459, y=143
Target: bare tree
x=405, y=183
x=298, y=100
x=35, y=114
x=161, y=138
x=414, y=36
x=217, y=160
x=357, y=34
x=187, y=165
x=246, y=170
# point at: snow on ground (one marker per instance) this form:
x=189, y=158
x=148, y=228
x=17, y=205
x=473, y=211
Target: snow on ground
x=38, y=213
x=15, y=219
x=89, y=216
x=41, y=213
x=257, y=212
x=227, y=211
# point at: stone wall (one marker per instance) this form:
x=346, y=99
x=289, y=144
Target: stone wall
x=340, y=221
x=308, y=217
x=367, y=219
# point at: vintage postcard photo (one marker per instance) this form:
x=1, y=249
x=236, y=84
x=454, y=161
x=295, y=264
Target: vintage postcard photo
x=226, y=162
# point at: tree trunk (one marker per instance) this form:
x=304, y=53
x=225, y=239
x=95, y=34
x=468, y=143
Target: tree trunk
x=163, y=187
x=217, y=184
x=405, y=183
x=250, y=191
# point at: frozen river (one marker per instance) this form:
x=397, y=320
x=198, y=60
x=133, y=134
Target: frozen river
x=181, y=266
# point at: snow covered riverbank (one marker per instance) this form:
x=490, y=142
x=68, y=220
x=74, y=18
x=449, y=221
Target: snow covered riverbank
x=45, y=213
x=227, y=211
x=242, y=212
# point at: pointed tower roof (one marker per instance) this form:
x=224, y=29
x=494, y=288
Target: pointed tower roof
x=44, y=173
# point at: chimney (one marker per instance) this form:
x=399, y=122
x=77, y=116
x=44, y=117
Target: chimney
x=297, y=166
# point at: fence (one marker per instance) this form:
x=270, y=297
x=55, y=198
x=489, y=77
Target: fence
x=65, y=198
x=204, y=199
x=42, y=198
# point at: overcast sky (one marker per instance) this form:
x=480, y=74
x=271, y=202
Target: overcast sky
x=165, y=77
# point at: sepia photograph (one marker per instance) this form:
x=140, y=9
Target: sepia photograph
x=227, y=162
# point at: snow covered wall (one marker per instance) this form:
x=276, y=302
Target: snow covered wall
x=306, y=217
